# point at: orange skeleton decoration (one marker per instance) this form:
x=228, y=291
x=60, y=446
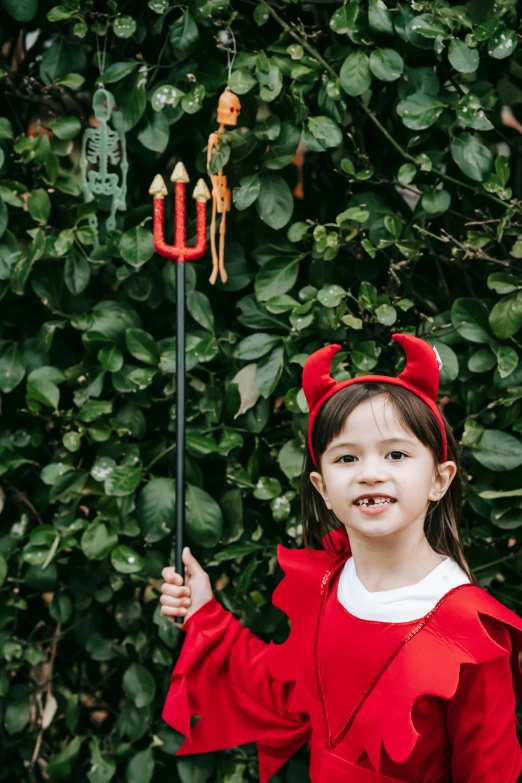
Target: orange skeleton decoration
x=227, y=114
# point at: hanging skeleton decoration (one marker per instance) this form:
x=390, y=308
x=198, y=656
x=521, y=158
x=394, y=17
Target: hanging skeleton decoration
x=102, y=147
x=227, y=114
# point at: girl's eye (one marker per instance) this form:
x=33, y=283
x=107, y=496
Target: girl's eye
x=350, y=457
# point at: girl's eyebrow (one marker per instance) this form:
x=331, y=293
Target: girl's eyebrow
x=345, y=444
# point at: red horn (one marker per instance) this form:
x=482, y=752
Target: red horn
x=317, y=380
x=422, y=368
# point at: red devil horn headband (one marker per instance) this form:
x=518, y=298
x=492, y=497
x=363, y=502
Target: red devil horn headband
x=420, y=376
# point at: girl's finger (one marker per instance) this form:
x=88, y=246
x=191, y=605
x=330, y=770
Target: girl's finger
x=169, y=600
x=170, y=575
x=171, y=611
x=175, y=590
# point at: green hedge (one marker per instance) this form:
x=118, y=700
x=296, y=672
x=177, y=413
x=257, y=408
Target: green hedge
x=410, y=221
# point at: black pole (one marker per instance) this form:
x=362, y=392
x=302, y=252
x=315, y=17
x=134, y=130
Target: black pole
x=180, y=417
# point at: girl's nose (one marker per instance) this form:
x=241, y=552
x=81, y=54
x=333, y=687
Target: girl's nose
x=372, y=471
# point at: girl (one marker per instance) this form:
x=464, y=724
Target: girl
x=399, y=668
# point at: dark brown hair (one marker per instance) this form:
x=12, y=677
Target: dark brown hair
x=441, y=525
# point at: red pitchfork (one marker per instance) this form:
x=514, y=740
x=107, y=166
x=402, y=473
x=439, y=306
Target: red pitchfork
x=180, y=252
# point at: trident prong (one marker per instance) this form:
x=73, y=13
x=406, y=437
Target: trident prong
x=180, y=173
x=201, y=192
x=158, y=189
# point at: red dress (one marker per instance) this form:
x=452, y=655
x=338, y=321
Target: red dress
x=426, y=701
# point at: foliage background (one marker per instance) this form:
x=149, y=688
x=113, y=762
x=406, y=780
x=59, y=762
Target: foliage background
x=411, y=220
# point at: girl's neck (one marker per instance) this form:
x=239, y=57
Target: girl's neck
x=385, y=565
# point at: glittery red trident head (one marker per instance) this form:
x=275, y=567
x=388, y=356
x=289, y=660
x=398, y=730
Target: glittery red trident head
x=420, y=376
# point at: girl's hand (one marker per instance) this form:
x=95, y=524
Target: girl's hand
x=183, y=600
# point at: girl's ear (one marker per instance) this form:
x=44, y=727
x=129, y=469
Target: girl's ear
x=445, y=474
x=318, y=482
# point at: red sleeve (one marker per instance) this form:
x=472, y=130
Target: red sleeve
x=222, y=676
x=481, y=719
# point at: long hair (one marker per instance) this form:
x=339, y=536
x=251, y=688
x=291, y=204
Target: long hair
x=441, y=525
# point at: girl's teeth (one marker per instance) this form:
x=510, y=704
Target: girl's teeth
x=375, y=502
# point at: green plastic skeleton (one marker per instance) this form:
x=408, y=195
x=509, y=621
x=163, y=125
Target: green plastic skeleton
x=102, y=146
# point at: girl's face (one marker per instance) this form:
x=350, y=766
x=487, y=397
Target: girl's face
x=374, y=455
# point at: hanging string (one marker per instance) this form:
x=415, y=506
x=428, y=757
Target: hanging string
x=228, y=41
x=230, y=59
x=102, y=59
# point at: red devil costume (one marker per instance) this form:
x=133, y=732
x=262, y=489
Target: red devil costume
x=430, y=700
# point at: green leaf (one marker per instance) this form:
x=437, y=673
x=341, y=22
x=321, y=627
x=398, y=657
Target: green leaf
x=193, y=101
x=61, y=765
x=200, y=309
x=406, y=173
x=331, y=295
x=282, y=151
x=473, y=158
x=77, y=272
x=204, y=518
x=17, y=714
x=502, y=44
x=261, y=14
x=269, y=371
x=386, y=64
x=138, y=684
x=142, y=346
x=358, y=214
x=470, y=319
x=102, y=768
x=122, y=480
x=386, y=314
x=505, y=318
x=184, y=32
x=343, y=19
x=325, y=131
x=154, y=131
x=291, y=458
x=21, y=10
x=66, y=128
x=436, y=201
x=247, y=192
x=44, y=391
x=498, y=451
x=126, y=561
x=137, y=246
x=72, y=441
x=355, y=75
x=166, y=95
x=419, y=111
x=118, y=71
x=156, y=509
x=267, y=487
x=271, y=83
x=12, y=369
x=111, y=358
x=98, y=541
x=380, y=18
x=462, y=58
x=124, y=26
x=131, y=99
x=140, y=768
x=241, y=81
x=39, y=205
x=502, y=283
x=275, y=203
x=276, y=277
x=255, y=345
